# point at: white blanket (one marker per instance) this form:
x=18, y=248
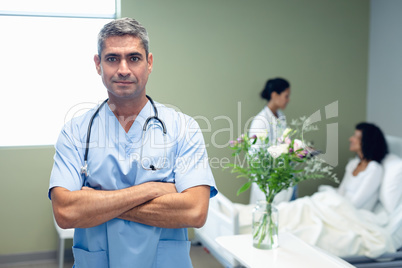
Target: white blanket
x=329, y=221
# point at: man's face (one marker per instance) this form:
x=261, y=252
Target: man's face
x=124, y=67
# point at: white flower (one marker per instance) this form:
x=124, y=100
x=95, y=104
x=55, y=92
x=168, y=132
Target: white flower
x=298, y=144
x=286, y=132
x=262, y=134
x=284, y=137
x=276, y=150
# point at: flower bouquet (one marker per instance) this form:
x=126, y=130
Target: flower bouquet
x=273, y=168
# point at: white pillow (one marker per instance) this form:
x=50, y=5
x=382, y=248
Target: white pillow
x=391, y=187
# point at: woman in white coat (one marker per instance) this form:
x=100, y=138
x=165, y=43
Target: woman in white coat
x=272, y=120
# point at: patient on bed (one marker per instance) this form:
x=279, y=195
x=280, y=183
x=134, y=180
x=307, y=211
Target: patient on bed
x=341, y=220
x=363, y=175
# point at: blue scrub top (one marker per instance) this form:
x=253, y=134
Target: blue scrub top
x=114, y=163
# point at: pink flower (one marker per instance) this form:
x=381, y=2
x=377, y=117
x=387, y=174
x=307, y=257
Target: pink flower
x=298, y=144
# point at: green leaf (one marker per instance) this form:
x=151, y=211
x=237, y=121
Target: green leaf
x=298, y=170
x=244, y=187
x=297, y=159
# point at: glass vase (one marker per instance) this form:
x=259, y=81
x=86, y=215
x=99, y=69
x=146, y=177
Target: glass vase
x=265, y=226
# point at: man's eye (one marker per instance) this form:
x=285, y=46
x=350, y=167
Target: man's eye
x=134, y=59
x=111, y=59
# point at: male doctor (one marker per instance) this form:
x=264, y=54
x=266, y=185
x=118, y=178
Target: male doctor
x=140, y=193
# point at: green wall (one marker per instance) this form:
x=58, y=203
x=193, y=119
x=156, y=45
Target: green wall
x=212, y=56
x=210, y=59
x=26, y=212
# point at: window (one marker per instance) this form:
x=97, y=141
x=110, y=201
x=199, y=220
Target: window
x=47, y=69
x=61, y=8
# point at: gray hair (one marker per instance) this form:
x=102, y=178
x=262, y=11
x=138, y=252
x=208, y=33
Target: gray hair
x=120, y=27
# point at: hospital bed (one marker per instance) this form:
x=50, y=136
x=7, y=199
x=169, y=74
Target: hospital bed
x=226, y=218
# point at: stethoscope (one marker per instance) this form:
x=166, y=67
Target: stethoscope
x=84, y=168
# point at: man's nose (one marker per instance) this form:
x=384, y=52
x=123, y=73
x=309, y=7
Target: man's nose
x=123, y=68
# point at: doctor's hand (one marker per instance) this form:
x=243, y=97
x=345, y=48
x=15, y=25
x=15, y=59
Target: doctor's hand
x=102, y=205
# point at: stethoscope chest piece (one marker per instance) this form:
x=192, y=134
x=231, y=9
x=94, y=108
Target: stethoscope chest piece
x=84, y=169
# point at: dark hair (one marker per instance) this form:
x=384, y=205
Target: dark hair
x=374, y=146
x=277, y=85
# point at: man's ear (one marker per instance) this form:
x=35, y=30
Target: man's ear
x=150, y=62
x=97, y=61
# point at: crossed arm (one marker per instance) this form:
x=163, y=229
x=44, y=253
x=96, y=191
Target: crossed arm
x=152, y=203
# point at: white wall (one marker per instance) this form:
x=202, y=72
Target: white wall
x=385, y=66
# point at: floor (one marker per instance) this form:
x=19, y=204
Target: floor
x=199, y=257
